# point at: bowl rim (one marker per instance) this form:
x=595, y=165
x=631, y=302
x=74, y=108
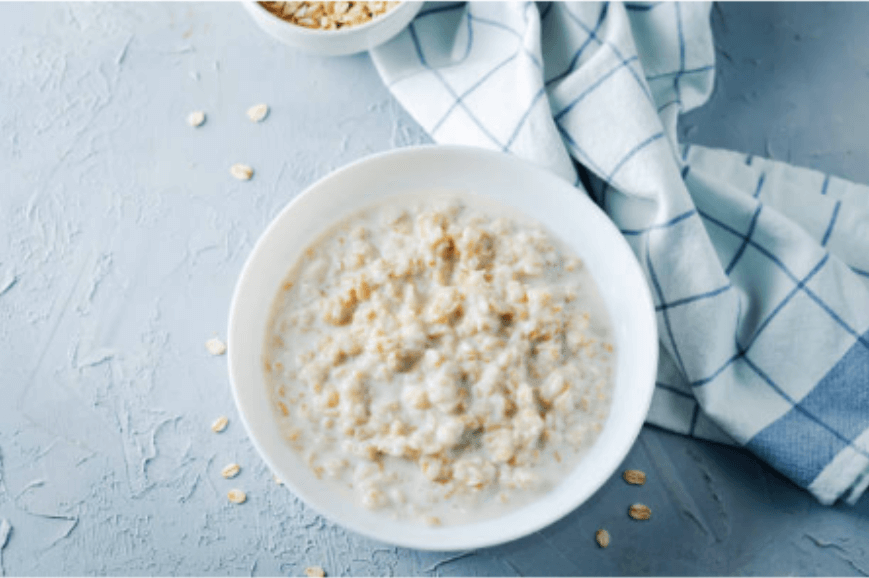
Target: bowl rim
x=631, y=430
x=341, y=32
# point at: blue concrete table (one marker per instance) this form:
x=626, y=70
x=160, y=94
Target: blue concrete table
x=121, y=236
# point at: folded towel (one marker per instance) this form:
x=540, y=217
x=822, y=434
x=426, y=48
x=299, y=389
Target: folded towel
x=758, y=269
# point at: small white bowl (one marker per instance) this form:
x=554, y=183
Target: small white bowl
x=346, y=40
x=566, y=212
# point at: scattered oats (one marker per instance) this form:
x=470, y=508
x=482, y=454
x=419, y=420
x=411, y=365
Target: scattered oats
x=241, y=172
x=195, y=119
x=236, y=496
x=314, y=572
x=215, y=346
x=635, y=477
x=602, y=537
x=640, y=512
x=219, y=424
x=230, y=471
x=258, y=112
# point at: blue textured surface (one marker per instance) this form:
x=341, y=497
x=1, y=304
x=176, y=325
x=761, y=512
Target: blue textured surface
x=121, y=236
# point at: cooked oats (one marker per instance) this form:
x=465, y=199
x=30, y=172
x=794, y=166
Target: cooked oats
x=439, y=349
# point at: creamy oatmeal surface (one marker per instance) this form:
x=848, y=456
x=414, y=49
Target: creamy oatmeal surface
x=440, y=360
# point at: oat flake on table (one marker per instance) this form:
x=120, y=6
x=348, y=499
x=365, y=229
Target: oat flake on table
x=640, y=512
x=602, y=537
x=241, y=172
x=230, y=471
x=236, y=496
x=195, y=119
x=258, y=112
x=635, y=477
x=215, y=346
x=219, y=424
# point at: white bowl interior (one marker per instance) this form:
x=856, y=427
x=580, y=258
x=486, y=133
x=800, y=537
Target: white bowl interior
x=565, y=211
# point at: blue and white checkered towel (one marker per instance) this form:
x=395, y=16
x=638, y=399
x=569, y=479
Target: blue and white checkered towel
x=759, y=270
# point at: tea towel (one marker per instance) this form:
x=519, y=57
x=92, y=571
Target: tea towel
x=759, y=270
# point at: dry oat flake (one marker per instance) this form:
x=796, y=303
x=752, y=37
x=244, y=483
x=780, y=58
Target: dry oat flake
x=236, y=496
x=328, y=15
x=241, y=172
x=258, y=112
x=230, y=471
x=315, y=572
x=602, y=537
x=640, y=512
x=635, y=477
x=196, y=119
x=215, y=346
x=219, y=424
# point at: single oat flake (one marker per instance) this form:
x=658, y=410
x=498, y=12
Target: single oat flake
x=230, y=471
x=236, y=496
x=258, y=112
x=635, y=477
x=219, y=424
x=602, y=537
x=215, y=346
x=196, y=118
x=241, y=172
x=640, y=512
x=315, y=572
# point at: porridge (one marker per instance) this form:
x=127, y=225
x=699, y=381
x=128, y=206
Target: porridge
x=440, y=360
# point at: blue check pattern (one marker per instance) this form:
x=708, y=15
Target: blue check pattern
x=759, y=270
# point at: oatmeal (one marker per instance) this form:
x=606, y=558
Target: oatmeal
x=439, y=360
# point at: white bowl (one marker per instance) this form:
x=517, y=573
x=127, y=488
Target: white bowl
x=565, y=211
x=347, y=40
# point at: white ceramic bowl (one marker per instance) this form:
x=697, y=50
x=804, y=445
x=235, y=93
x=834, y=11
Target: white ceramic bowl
x=565, y=211
x=347, y=40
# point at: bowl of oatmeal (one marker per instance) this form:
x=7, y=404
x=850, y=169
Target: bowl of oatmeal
x=332, y=28
x=442, y=347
